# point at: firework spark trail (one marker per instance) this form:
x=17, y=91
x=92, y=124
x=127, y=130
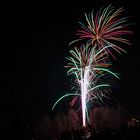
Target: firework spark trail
x=88, y=64
x=87, y=74
x=105, y=28
x=90, y=61
x=84, y=91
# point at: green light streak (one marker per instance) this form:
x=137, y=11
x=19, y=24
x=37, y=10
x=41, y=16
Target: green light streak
x=66, y=95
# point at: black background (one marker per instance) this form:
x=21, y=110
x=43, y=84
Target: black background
x=33, y=55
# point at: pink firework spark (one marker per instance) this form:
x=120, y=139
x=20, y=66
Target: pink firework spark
x=105, y=28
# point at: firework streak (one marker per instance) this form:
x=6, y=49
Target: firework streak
x=89, y=61
x=105, y=28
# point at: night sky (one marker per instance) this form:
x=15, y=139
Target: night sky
x=33, y=73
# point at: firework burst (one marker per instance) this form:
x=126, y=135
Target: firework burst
x=89, y=65
x=106, y=28
x=89, y=62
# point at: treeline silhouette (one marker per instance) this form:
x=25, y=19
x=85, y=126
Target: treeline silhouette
x=104, y=123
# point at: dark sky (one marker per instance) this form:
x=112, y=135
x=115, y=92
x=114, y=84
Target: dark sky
x=33, y=74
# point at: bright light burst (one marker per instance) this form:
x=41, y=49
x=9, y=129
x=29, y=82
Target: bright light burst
x=89, y=65
x=89, y=62
x=105, y=28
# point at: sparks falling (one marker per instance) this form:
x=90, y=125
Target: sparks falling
x=103, y=28
x=89, y=65
x=89, y=62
